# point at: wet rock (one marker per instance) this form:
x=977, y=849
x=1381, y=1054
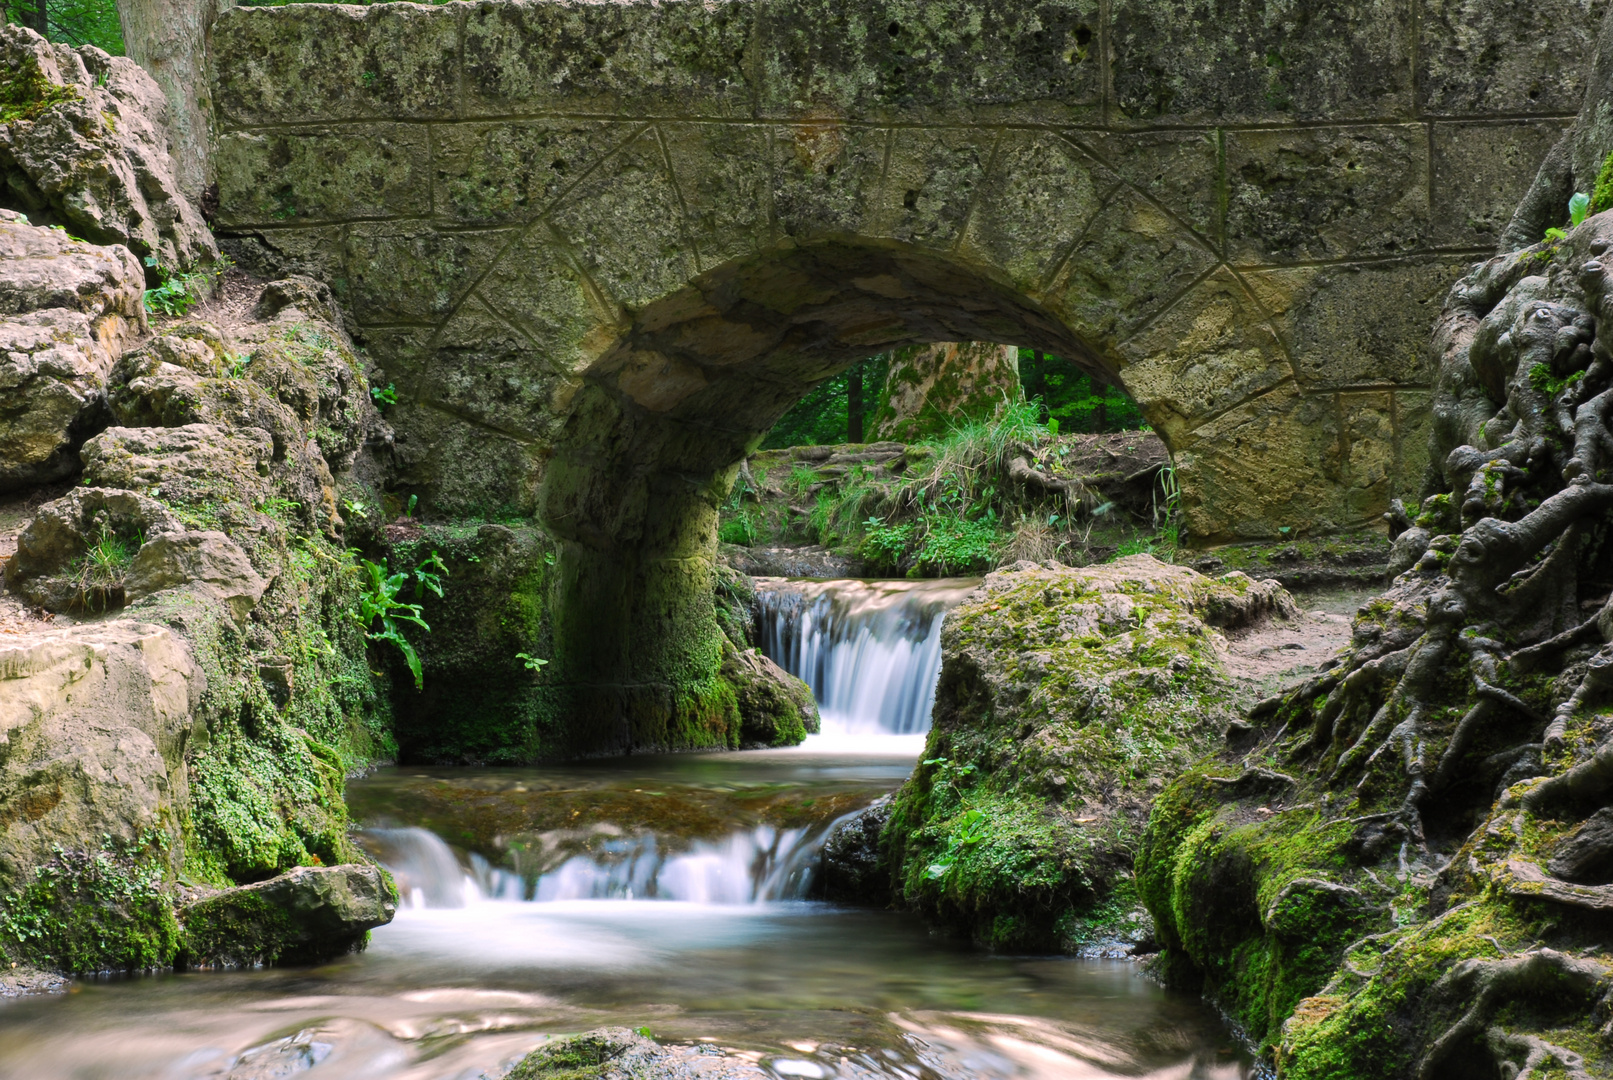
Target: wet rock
x=95, y=721
x=26, y=981
x=306, y=915
x=852, y=871
x=67, y=309
x=1586, y=856
x=208, y=564
x=1066, y=698
x=88, y=150
x=51, y=568
x=620, y=1054
x=775, y=707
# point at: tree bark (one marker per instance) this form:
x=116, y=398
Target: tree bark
x=169, y=39
x=854, y=404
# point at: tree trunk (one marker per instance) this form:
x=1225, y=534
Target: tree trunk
x=169, y=39
x=854, y=404
x=38, y=18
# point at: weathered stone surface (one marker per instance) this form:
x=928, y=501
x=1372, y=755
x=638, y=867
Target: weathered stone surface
x=306, y=915
x=88, y=151
x=94, y=724
x=931, y=389
x=195, y=464
x=852, y=871
x=67, y=309
x=50, y=568
x=620, y=1054
x=1066, y=698
x=206, y=563
x=1481, y=172
x=1478, y=57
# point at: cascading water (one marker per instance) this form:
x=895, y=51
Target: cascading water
x=747, y=867
x=870, y=650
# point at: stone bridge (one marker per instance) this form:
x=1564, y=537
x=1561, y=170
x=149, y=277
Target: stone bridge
x=601, y=247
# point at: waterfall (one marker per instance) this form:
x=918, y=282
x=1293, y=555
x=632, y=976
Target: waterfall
x=870, y=650
x=746, y=867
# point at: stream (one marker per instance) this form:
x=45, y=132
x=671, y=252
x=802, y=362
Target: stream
x=667, y=893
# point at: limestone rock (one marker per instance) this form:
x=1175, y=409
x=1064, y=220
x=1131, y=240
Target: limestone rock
x=94, y=724
x=775, y=708
x=193, y=464
x=87, y=149
x=620, y=1054
x=208, y=563
x=298, y=298
x=305, y=915
x=1066, y=698
x=48, y=568
x=67, y=309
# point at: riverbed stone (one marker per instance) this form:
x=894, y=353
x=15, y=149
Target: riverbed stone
x=306, y=915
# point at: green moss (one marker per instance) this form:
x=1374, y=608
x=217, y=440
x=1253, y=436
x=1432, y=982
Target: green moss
x=86, y=912
x=1602, y=193
x=580, y=1057
x=246, y=930
x=26, y=92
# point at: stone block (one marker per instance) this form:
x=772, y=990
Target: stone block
x=1326, y=193
x=487, y=173
x=293, y=177
x=302, y=64
x=1133, y=260
x=646, y=59
x=1478, y=57
x=934, y=59
x=625, y=225
x=1480, y=174
x=1263, y=467
x=410, y=272
x=464, y=469
x=1413, y=426
x=1206, y=62
x=1207, y=353
x=1366, y=453
x=536, y=288
x=1357, y=324
x=826, y=176
x=932, y=178
x=1181, y=170
x=724, y=175
x=1042, y=194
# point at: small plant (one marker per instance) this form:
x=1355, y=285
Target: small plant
x=885, y=546
x=409, y=510
x=99, y=572
x=238, y=365
x=739, y=529
x=954, y=545
x=531, y=663
x=384, y=395
x=1578, y=207
x=278, y=507
x=382, y=614
x=173, y=295
x=356, y=509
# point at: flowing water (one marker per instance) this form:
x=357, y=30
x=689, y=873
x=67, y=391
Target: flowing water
x=658, y=892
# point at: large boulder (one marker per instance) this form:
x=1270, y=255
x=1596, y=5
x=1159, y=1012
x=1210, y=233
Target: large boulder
x=82, y=144
x=1067, y=699
x=306, y=915
x=95, y=721
x=67, y=309
x=208, y=564
x=775, y=707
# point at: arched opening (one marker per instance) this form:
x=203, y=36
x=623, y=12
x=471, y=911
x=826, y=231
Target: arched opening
x=661, y=423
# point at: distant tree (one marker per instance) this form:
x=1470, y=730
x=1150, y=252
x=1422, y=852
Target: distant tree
x=1075, y=399
x=834, y=411
x=71, y=22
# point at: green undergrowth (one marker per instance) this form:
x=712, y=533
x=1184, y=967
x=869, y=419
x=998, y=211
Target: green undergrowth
x=94, y=911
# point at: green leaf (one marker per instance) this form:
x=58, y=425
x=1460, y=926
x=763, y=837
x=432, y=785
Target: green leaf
x=1578, y=207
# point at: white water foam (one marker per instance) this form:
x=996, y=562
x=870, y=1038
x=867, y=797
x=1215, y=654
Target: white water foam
x=870, y=650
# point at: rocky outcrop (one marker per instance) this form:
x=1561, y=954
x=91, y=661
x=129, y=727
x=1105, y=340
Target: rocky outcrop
x=82, y=145
x=95, y=723
x=307, y=915
x=75, y=554
x=1067, y=699
x=67, y=310
x=775, y=707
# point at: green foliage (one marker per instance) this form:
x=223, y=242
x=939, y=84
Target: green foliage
x=100, y=570
x=740, y=528
x=530, y=662
x=388, y=395
x=26, y=93
x=73, y=22
x=86, y=912
x=580, y=1057
x=954, y=545
x=1602, y=191
x=379, y=605
x=1542, y=379
x=884, y=547
x=173, y=296
x=821, y=418
x=1578, y=207
x=1555, y=236
x=1072, y=401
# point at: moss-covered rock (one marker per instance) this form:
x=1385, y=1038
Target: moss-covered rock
x=1067, y=698
x=305, y=915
